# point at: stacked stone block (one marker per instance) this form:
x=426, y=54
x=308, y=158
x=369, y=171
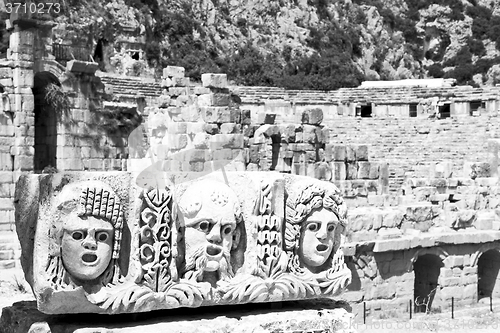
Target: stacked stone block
x=84, y=141
x=16, y=118
x=290, y=148
x=385, y=280
x=196, y=129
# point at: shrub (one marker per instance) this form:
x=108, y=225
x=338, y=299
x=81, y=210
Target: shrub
x=435, y=70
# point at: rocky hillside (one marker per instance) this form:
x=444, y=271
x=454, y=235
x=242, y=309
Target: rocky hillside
x=319, y=44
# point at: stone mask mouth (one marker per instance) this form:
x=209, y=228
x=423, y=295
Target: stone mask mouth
x=321, y=248
x=213, y=250
x=89, y=258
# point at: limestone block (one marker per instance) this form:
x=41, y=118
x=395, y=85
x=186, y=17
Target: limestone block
x=392, y=218
x=361, y=152
x=484, y=220
x=189, y=113
x=77, y=66
x=96, y=242
x=212, y=99
x=201, y=140
x=164, y=101
x=6, y=73
x=364, y=170
x=229, y=128
x=177, y=128
x=363, y=219
x=201, y=90
x=325, y=135
x=351, y=170
x=210, y=80
x=338, y=171
x=177, y=91
x=218, y=114
x=328, y=152
x=173, y=71
x=312, y=116
x=339, y=153
x=305, y=316
x=177, y=141
x=246, y=118
x=350, y=153
x=374, y=171
x=228, y=140
x=211, y=128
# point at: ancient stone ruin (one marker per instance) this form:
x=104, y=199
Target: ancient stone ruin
x=97, y=242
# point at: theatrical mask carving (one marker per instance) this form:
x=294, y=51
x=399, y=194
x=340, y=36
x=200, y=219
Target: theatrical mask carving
x=86, y=236
x=87, y=246
x=211, y=216
x=316, y=218
x=317, y=237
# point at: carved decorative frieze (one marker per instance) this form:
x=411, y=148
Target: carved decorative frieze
x=224, y=239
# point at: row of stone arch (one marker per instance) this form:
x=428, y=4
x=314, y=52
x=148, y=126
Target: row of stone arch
x=427, y=264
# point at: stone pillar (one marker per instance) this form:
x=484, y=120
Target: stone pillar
x=17, y=119
x=20, y=56
x=493, y=147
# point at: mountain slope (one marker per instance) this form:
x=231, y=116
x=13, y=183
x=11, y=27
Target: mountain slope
x=319, y=44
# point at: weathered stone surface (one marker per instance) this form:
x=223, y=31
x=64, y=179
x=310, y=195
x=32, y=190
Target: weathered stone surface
x=303, y=316
x=173, y=71
x=109, y=243
x=78, y=66
x=210, y=80
x=312, y=116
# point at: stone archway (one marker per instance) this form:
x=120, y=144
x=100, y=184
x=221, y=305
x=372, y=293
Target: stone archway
x=45, y=122
x=488, y=279
x=426, y=269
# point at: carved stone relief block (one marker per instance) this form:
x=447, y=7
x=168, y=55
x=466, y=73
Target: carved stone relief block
x=100, y=243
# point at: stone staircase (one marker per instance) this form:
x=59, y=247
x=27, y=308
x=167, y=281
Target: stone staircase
x=10, y=250
x=257, y=95
x=126, y=89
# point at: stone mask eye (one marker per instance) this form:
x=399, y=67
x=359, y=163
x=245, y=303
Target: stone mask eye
x=313, y=226
x=227, y=230
x=331, y=227
x=204, y=226
x=102, y=236
x=78, y=235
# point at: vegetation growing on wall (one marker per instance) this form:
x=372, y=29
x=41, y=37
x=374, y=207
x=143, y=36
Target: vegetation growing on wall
x=57, y=100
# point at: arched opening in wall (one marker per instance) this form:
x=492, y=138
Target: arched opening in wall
x=45, y=121
x=426, y=269
x=135, y=56
x=444, y=111
x=488, y=283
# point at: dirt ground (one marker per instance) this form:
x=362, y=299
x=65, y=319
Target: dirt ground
x=479, y=318
x=13, y=287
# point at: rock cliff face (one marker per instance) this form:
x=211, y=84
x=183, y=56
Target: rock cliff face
x=296, y=43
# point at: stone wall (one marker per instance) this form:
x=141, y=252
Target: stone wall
x=88, y=132
x=199, y=129
x=412, y=146
x=386, y=280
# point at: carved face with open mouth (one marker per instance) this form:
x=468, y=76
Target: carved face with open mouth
x=216, y=231
x=318, y=237
x=209, y=212
x=87, y=246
